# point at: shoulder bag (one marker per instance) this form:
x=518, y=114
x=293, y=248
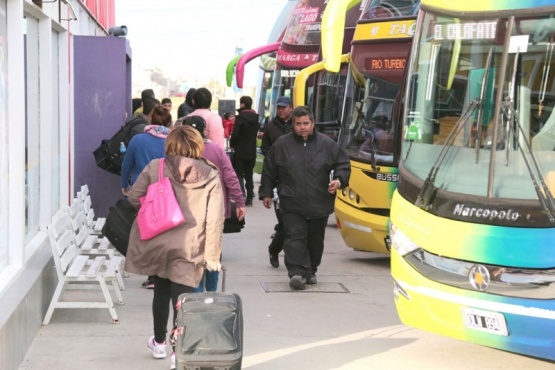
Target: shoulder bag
x=159, y=210
x=232, y=224
x=118, y=224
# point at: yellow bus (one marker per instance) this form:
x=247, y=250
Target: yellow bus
x=323, y=89
x=371, y=106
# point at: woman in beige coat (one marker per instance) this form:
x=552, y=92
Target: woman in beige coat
x=176, y=257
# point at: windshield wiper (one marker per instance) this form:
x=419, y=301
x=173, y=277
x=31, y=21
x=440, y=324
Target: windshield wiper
x=424, y=197
x=545, y=197
x=510, y=111
x=361, y=116
x=482, y=97
x=426, y=192
x=498, y=105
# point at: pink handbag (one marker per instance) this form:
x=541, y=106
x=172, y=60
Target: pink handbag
x=159, y=210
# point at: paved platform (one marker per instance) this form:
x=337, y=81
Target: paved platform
x=348, y=321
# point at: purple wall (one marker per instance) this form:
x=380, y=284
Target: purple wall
x=102, y=99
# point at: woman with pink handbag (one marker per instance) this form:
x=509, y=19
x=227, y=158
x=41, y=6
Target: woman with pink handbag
x=142, y=149
x=176, y=257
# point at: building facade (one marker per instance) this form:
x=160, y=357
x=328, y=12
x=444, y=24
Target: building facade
x=44, y=157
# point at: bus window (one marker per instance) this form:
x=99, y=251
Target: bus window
x=367, y=130
x=379, y=9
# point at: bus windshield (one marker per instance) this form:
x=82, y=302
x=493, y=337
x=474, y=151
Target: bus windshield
x=478, y=117
x=329, y=92
x=379, y=9
x=367, y=131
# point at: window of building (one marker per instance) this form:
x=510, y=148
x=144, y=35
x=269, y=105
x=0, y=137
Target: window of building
x=3, y=141
x=55, y=131
x=32, y=128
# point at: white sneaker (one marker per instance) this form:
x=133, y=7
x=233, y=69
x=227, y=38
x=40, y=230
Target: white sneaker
x=172, y=361
x=158, y=349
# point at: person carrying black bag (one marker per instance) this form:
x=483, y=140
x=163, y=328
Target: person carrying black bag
x=109, y=155
x=234, y=203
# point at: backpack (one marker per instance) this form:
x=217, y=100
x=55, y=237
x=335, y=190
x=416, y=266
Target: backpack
x=107, y=156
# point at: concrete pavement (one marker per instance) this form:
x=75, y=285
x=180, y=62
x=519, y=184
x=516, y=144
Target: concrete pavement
x=350, y=324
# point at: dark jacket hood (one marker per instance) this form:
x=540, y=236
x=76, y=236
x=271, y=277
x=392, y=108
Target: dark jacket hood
x=250, y=116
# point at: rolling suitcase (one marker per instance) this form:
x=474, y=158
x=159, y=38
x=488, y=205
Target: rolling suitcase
x=209, y=333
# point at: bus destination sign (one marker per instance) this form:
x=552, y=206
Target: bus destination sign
x=373, y=64
x=485, y=30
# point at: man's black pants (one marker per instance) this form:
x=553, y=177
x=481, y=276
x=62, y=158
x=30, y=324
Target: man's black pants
x=276, y=246
x=304, y=243
x=244, y=168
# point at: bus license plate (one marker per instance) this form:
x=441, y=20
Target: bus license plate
x=487, y=321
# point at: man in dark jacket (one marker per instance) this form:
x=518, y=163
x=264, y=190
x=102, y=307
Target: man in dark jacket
x=143, y=118
x=187, y=106
x=280, y=125
x=273, y=130
x=145, y=95
x=243, y=141
x=307, y=168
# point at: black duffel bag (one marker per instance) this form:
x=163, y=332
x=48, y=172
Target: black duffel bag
x=108, y=157
x=232, y=224
x=118, y=224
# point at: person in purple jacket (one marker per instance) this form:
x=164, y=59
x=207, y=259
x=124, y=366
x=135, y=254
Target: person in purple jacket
x=230, y=183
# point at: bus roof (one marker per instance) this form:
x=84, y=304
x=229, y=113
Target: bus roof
x=250, y=55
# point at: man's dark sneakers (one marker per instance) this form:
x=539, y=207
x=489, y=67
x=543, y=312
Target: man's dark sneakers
x=248, y=202
x=312, y=280
x=298, y=282
x=274, y=261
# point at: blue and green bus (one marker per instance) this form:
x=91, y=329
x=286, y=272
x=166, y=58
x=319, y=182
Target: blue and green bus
x=473, y=217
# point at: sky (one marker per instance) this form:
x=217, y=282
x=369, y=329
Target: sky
x=196, y=39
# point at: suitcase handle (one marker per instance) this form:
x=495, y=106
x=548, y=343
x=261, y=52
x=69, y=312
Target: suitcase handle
x=223, y=270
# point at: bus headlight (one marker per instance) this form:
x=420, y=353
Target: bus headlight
x=352, y=195
x=402, y=244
